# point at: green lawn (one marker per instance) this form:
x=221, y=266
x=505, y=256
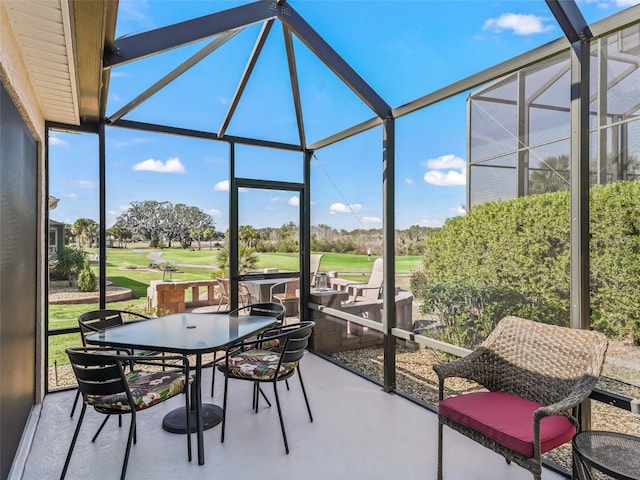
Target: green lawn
x=138, y=280
x=191, y=257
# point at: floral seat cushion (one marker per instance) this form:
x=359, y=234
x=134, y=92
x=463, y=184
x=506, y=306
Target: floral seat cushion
x=147, y=389
x=257, y=364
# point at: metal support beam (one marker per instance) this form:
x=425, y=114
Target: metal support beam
x=602, y=102
x=522, y=114
x=295, y=88
x=234, y=263
x=135, y=47
x=331, y=59
x=187, y=132
x=305, y=238
x=577, y=31
x=244, y=79
x=349, y=132
x=389, y=254
x=175, y=73
x=102, y=235
x=570, y=18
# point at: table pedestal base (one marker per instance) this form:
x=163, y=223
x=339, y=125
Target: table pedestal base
x=176, y=421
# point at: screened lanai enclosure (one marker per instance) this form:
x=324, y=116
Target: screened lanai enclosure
x=259, y=119
x=519, y=126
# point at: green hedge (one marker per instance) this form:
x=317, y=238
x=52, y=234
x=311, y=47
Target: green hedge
x=522, y=246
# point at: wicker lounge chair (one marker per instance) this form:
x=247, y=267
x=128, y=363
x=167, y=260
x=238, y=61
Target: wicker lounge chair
x=533, y=373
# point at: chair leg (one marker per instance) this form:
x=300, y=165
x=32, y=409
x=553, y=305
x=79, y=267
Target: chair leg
x=73, y=441
x=439, y=477
x=261, y=392
x=284, y=433
x=304, y=393
x=224, y=405
x=75, y=403
x=104, y=422
x=254, y=403
x=132, y=433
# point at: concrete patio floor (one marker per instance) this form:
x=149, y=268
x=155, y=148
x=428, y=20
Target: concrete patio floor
x=359, y=432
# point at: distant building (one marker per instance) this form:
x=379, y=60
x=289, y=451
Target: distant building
x=56, y=237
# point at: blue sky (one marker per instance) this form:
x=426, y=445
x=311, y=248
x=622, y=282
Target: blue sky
x=403, y=49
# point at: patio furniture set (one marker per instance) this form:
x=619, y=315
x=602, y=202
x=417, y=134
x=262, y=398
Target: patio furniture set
x=534, y=377
x=258, y=348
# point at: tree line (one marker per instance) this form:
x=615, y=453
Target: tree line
x=161, y=224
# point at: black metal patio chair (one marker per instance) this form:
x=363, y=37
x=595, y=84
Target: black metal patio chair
x=266, y=309
x=97, y=320
x=106, y=387
x=270, y=359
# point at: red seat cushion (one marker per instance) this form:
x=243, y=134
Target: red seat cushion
x=507, y=419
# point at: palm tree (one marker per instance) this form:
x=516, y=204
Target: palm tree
x=248, y=259
x=552, y=176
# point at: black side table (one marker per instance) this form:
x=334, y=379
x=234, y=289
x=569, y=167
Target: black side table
x=614, y=454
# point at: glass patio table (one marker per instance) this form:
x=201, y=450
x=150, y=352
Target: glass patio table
x=186, y=334
x=614, y=454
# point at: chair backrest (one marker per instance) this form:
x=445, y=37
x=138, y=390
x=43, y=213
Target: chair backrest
x=293, y=340
x=291, y=287
x=97, y=320
x=541, y=362
x=224, y=284
x=97, y=373
x=314, y=266
x=377, y=273
x=266, y=309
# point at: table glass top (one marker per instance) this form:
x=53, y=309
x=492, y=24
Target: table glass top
x=616, y=454
x=183, y=332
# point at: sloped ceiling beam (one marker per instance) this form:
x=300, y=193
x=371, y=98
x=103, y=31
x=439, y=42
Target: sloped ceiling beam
x=295, y=88
x=135, y=47
x=175, y=73
x=242, y=84
x=331, y=59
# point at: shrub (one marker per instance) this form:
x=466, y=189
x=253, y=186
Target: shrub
x=87, y=279
x=70, y=262
x=522, y=246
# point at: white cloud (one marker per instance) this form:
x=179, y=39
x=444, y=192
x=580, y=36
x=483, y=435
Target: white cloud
x=519, y=24
x=626, y=3
x=459, y=210
x=115, y=73
x=445, y=179
x=294, y=201
x=342, y=208
x=113, y=213
x=408, y=181
x=375, y=220
x=222, y=186
x=455, y=174
x=446, y=162
x=86, y=184
x=172, y=165
x=214, y=212
x=57, y=142
x=431, y=222
x=70, y=195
